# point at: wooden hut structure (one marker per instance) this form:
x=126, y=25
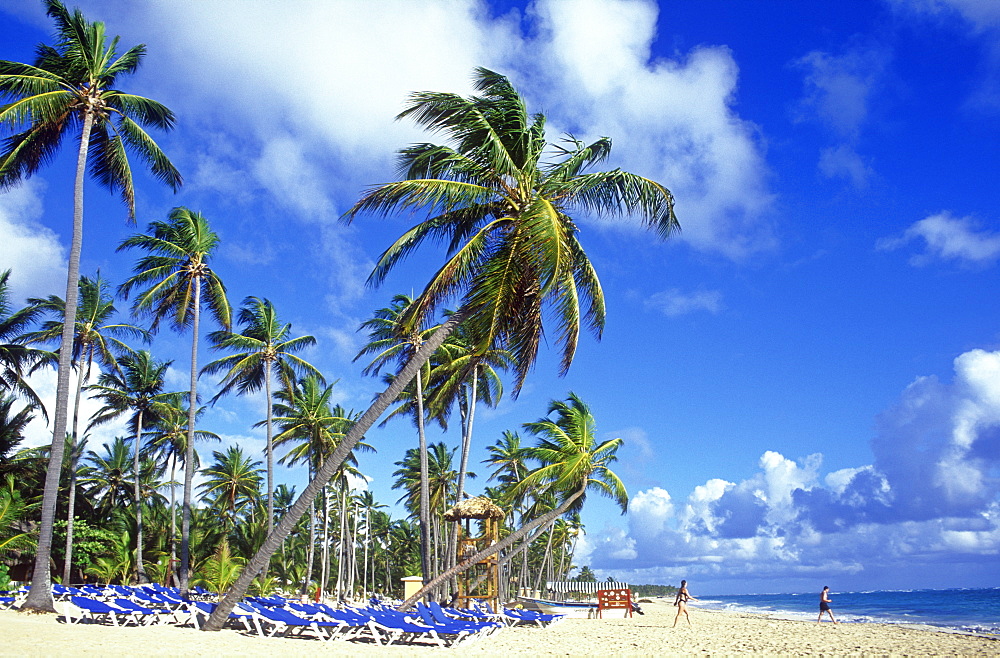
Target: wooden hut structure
x=481, y=582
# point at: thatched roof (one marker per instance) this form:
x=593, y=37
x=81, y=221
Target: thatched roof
x=474, y=508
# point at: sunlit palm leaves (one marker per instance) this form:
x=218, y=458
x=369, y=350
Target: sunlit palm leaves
x=504, y=212
x=173, y=274
x=265, y=347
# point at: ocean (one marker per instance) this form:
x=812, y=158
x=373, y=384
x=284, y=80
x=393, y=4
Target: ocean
x=965, y=610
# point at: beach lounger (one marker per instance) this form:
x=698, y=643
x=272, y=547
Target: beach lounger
x=394, y=627
x=92, y=610
x=199, y=610
x=279, y=621
x=432, y=613
x=143, y=614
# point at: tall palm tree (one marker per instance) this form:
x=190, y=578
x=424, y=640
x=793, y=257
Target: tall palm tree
x=571, y=463
x=313, y=430
x=514, y=250
x=16, y=358
x=70, y=90
x=168, y=438
x=137, y=392
x=174, y=272
x=391, y=342
x=95, y=337
x=263, y=348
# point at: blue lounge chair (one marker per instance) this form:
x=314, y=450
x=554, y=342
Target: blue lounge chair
x=202, y=609
x=92, y=610
x=393, y=626
x=434, y=615
x=280, y=621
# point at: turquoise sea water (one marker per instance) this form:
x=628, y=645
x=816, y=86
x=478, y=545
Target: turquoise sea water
x=967, y=610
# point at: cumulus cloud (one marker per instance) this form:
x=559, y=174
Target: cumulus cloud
x=947, y=237
x=930, y=498
x=33, y=253
x=672, y=119
x=39, y=432
x=307, y=98
x=838, y=90
x=674, y=302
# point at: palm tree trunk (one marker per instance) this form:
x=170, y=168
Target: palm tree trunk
x=452, y=558
x=324, y=577
x=140, y=574
x=173, y=513
x=71, y=502
x=311, y=550
x=425, y=504
x=40, y=595
x=546, y=558
x=333, y=463
x=270, y=451
x=185, y=566
x=494, y=549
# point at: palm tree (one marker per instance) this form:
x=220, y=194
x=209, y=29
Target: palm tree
x=168, y=437
x=314, y=429
x=264, y=347
x=137, y=391
x=175, y=271
x=13, y=513
x=107, y=478
x=94, y=339
x=232, y=483
x=16, y=358
x=12, y=426
x=70, y=90
x=572, y=462
x=515, y=254
x=391, y=342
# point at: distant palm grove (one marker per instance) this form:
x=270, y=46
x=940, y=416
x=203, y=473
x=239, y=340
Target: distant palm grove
x=167, y=501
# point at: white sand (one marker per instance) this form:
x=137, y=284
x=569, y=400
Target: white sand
x=712, y=633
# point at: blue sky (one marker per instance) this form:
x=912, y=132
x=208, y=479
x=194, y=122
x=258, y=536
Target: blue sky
x=807, y=380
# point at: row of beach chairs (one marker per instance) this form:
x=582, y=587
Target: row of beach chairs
x=276, y=616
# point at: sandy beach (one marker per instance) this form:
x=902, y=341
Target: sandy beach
x=712, y=633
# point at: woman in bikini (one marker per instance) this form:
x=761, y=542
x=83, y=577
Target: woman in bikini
x=683, y=596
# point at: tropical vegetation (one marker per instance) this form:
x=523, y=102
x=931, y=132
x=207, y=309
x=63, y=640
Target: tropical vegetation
x=497, y=193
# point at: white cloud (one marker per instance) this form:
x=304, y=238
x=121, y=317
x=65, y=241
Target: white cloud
x=33, y=253
x=930, y=498
x=947, y=237
x=842, y=161
x=838, y=90
x=671, y=119
x=39, y=433
x=674, y=302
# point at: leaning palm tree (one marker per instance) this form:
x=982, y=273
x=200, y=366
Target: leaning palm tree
x=175, y=272
x=138, y=393
x=505, y=214
x=95, y=338
x=264, y=347
x=571, y=463
x=70, y=91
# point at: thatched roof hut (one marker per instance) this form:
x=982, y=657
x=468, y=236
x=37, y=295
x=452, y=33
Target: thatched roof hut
x=475, y=508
